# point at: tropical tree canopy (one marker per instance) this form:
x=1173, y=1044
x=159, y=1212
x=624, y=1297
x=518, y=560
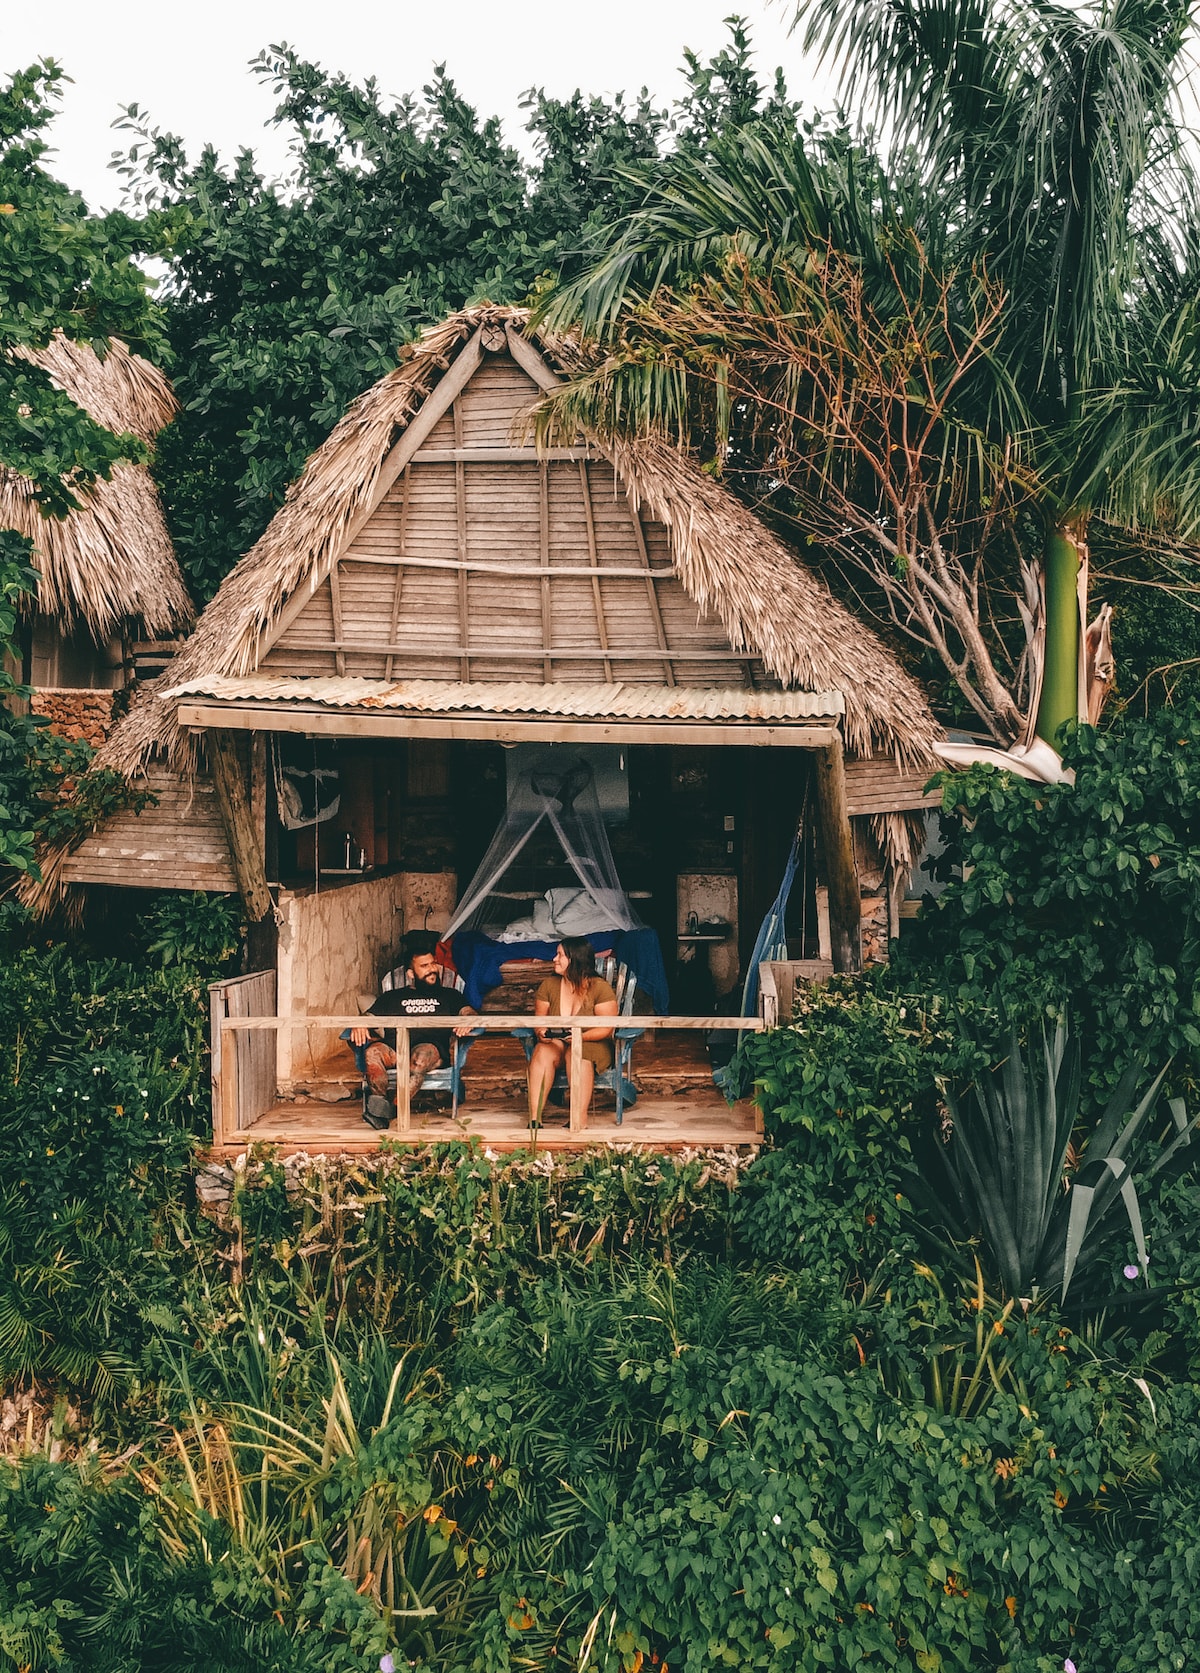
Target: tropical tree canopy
x=285, y=299
x=1033, y=150
x=61, y=270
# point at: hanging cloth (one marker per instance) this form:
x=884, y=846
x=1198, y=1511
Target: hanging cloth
x=564, y=799
x=769, y=944
x=307, y=792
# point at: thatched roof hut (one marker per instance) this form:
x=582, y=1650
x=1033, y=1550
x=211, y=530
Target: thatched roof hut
x=110, y=560
x=779, y=623
x=432, y=574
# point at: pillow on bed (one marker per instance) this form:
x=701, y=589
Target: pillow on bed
x=579, y=912
x=566, y=911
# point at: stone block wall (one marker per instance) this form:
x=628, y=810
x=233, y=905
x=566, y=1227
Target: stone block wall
x=876, y=928
x=76, y=714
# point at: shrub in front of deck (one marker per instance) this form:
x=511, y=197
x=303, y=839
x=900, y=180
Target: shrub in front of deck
x=102, y=1098
x=759, y=1506
x=857, y=1066
x=846, y=1090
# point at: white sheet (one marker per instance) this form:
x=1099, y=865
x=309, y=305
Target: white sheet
x=566, y=912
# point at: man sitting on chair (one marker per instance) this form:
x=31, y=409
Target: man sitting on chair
x=422, y=996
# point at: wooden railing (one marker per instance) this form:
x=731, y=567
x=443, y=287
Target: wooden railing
x=238, y=1072
x=247, y=1060
x=777, y=983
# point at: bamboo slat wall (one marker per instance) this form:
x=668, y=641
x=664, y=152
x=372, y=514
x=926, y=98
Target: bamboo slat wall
x=176, y=843
x=878, y=785
x=579, y=587
x=243, y=1065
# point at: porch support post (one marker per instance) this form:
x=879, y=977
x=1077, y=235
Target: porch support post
x=229, y=782
x=845, y=909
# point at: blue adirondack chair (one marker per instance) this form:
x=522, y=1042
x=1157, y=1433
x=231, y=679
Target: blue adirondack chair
x=448, y=1078
x=617, y=1079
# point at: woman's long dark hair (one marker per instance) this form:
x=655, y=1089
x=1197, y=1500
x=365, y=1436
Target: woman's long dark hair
x=581, y=960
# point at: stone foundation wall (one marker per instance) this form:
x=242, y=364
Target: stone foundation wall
x=876, y=928
x=76, y=714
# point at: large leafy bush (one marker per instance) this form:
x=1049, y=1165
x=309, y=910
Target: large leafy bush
x=1084, y=892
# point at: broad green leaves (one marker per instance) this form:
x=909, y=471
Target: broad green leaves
x=1083, y=893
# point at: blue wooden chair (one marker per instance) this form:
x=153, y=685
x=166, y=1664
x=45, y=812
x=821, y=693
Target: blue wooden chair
x=617, y=1079
x=448, y=1078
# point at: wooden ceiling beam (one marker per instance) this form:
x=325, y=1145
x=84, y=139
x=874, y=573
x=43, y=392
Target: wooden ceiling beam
x=513, y=653
x=489, y=566
x=405, y=481
x=502, y=455
x=544, y=566
x=460, y=513
x=594, y=563
x=639, y=535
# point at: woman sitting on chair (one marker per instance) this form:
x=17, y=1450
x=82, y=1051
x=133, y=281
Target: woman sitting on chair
x=575, y=990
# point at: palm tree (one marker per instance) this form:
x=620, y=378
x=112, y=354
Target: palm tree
x=1060, y=130
x=1034, y=150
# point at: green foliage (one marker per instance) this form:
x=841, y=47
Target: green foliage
x=195, y=929
x=860, y=1059
x=85, y=1584
x=101, y=1098
x=20, y=735
x=1079, y=893
x=61, y=269
x=1006, y=1156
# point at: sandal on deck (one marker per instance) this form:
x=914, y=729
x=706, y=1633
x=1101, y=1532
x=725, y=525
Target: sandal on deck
x=378, y=1113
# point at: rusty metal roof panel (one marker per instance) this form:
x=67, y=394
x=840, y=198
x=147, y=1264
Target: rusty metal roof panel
x=575, y=701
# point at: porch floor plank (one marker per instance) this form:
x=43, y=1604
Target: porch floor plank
x=698, y=1118
x=678, y=1108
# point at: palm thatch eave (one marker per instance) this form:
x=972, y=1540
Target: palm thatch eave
x=111, y=559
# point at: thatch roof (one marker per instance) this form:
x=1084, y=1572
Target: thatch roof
x=729, y=563
x=112, y=558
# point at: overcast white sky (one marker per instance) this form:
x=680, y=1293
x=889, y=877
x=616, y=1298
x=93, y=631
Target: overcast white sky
x=187, y=64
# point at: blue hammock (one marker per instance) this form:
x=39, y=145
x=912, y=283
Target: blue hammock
x=770, y=943
x=772, y=935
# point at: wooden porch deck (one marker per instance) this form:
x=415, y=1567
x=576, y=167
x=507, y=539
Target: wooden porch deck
x=678, y=1107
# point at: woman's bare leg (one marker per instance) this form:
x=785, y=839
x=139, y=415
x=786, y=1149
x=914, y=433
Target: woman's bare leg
x=587, y=1079
x=543, y=1066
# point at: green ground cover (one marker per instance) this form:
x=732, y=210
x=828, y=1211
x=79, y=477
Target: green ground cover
x=622, y=1413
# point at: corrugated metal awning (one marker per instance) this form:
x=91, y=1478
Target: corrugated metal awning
x=498, y=700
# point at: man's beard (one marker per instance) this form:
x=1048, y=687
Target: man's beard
x=433, y=980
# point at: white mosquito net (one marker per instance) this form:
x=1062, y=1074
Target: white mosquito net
x=558, y=797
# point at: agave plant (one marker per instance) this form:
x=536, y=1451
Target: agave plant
x=1045, y=1199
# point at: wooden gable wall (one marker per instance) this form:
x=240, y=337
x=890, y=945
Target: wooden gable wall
x=176, y=842
x=578, y=587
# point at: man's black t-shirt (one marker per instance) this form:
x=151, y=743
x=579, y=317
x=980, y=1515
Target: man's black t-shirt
x=435, y=1001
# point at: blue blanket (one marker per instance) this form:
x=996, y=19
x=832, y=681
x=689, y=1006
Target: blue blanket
x=478, y=958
